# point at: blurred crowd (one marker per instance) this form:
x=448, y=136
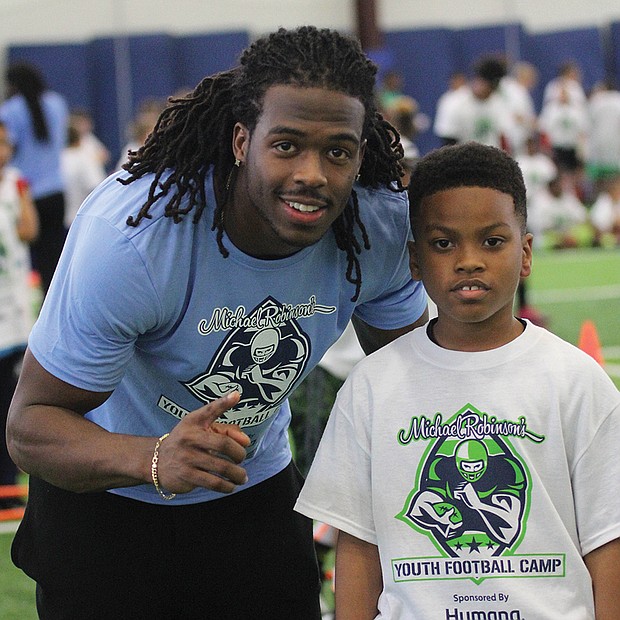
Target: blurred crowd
x=569, y=150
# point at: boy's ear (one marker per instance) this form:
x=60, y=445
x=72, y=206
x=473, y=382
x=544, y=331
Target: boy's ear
x=413, y=261
x=526, y=255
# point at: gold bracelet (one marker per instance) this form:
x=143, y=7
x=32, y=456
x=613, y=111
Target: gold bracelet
x=154, y=465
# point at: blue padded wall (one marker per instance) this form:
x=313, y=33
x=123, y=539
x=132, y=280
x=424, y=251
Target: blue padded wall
x=65, y=68
x=613, y=40
x=507, y=40
x=162, y=64
x=426, y=59
x=202, y=55
x=158, y=65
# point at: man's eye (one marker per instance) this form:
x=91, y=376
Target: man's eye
x=442, y=244
x=340, y=154
x=284, y=147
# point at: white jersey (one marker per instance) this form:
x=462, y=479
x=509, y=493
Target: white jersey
x=484, y=478
x=558, y=87
x=605, y=213
x=565, y=124
x=549, y=213
x=467, y=118
x=16, y=315
x=604, y=131
x=82, y=173
x=520, y=103
x=538, y=170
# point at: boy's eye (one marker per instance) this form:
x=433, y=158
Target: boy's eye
x=493, y=242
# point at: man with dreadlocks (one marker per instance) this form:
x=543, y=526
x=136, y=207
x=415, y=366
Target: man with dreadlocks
x=192, y=297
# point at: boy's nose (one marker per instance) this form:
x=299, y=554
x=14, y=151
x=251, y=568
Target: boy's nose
x=469, y=261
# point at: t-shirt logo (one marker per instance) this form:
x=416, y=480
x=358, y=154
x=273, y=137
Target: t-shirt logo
x=261, y=357
x=471, y=497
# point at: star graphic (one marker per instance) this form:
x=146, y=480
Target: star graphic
x=474, y=545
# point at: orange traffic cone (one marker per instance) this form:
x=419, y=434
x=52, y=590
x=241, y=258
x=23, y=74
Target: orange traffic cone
x=589, y=342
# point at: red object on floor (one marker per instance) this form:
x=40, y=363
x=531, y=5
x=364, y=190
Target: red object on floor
x=9, y=491
x=589, y=341
x=13, y=490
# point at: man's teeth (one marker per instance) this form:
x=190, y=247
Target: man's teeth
x=298, y=206
x=471, y=288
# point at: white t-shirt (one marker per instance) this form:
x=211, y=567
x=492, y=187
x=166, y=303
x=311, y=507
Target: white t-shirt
x=16, y=315
x=447, y=105
x=468, y=118
x=605, y=213
x=565, y=124
x=483, y=478
x=574, y=90
x=519, y=101
x=82, y=173
x=549, y=213
x=604, y=128
x=537, y=169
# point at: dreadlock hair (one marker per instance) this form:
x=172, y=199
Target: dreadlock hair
x=26, y=80
x=469, y=164
x=194, y=132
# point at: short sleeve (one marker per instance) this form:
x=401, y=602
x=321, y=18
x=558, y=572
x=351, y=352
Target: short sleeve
x=337, y=490
x=101, y=299
x=595, y=480
x=391, y=298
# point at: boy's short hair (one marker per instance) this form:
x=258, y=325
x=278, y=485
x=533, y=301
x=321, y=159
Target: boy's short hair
x=469, y=164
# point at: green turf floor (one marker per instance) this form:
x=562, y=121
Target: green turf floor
x=572, y=286
x=16, y=590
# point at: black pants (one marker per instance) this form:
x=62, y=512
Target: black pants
x=46, y=249
x=100, y=556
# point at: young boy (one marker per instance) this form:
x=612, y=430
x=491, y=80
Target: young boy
x=19, y=226
x=470, y=466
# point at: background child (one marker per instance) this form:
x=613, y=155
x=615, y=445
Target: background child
x=557, y=218
x=18, y=226
x=81, y=172
x=605, y=213
x=469, y=465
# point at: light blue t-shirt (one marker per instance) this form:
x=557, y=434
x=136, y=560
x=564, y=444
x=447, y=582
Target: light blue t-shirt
x=39, y=161
x=158, y=315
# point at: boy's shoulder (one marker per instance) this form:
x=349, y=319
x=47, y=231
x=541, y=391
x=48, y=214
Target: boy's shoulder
x=399, y=352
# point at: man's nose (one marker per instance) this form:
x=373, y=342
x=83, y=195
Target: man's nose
x=310, y=170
